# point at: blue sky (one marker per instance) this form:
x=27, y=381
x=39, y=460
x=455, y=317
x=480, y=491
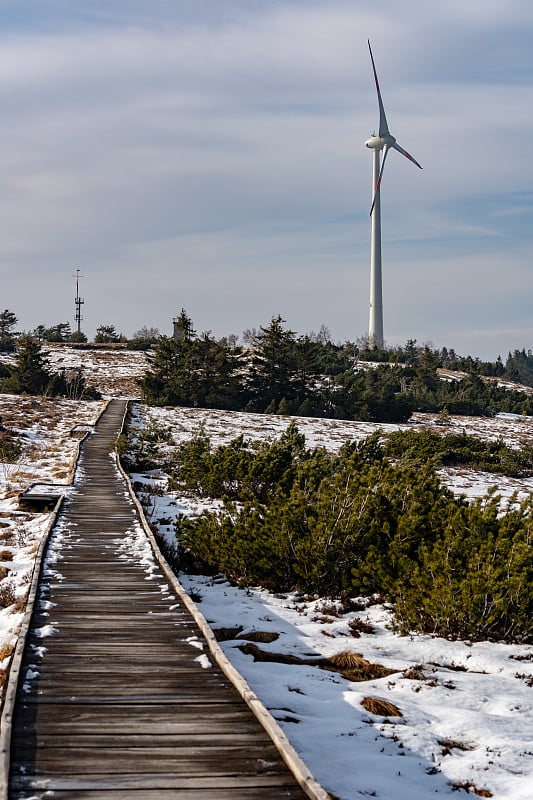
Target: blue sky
x=211, y=155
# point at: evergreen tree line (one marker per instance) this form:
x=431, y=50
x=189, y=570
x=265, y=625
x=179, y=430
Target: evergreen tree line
x=518, y=365
x=374, y=519
x=280, y=372
x=142, y=339
x=31, y=375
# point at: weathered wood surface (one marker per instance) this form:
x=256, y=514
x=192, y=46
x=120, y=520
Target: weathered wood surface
x=119, y=701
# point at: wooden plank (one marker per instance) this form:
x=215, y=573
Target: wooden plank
x=151, y=719
x=204, y=697
x=200, y=784
x=102, y=665
x=124, y=761
x=213, y=793
x=117, y=684
x=218, y=738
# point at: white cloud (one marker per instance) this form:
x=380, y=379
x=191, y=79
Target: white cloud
x=178, y=138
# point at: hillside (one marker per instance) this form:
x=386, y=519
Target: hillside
x=466, y=707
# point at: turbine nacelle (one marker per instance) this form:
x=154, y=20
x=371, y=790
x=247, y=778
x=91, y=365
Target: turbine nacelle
x=379, y=142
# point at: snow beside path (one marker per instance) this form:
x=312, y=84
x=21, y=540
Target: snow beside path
x=467, y=708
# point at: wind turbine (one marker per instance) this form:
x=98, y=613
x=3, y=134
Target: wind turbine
x=385, y=141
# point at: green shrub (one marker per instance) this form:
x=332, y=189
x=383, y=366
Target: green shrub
x=357, y=523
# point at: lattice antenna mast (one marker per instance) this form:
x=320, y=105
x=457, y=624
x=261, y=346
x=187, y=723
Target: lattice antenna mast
x=79, y=301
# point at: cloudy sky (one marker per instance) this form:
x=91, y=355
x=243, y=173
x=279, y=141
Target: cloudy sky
x=209, y=154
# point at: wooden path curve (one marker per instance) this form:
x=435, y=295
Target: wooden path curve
x=118, y=695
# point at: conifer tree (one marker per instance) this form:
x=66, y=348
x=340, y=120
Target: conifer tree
x=8, y=320
x=30, y=375
x=273, y=365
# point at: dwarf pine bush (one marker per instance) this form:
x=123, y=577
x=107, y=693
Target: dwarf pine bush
x=359, y=523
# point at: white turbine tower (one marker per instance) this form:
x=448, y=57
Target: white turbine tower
x=384, y=141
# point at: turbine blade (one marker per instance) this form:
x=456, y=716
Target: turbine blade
x=406, y=154
x=378, y=184
x=383, y=127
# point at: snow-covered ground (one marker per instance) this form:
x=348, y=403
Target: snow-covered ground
x=467, y=708
x=48, y=431
x=467, y=713
x=113, y=372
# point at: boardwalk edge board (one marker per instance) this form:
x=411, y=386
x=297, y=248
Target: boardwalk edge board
x=13, y=670
x=297, y=766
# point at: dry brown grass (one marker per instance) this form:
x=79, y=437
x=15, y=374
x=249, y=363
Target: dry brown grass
x=472, y=789
x=7, y=590
x=451, y=744
x=257, y=654
x=348, y=659
x=22, y=475
x=354, y=667
x=226, y=634
x=380, y=707
x=265, y=637
x=416, y=673
x=19, y=604
x=5, y=650
x=351, y=666
x=358, y=626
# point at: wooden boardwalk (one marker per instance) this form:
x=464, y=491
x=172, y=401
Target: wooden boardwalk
x=116, y=698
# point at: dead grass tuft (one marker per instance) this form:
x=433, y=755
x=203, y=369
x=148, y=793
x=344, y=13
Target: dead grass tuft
x=415, y=673
x=19, y=604
x=265, y=637
x=5, y=651
x=453, y=667
x=351, y=666
x=354, y=667
x=358, y=626
x=450, y=744
x=7, y=592
x=347, y=659
x=472, y=789
x=226, y=634
x=381, y=708
x=329, y=608
x=253, y=650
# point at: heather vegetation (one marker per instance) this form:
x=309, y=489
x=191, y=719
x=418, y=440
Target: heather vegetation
x=373, y=519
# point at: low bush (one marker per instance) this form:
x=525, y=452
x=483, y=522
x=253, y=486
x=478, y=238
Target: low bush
x=355, y=523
